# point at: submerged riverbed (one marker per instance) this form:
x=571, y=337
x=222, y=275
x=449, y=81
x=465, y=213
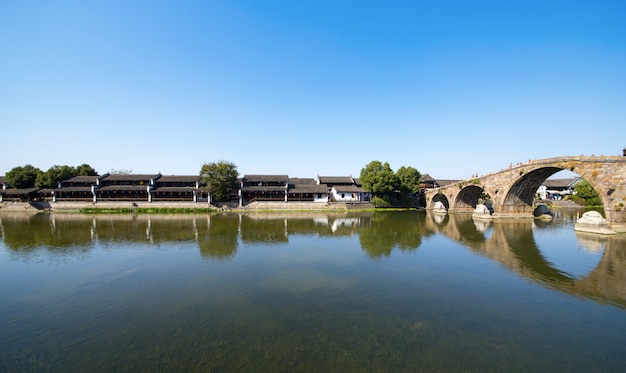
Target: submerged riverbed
x=287, y=292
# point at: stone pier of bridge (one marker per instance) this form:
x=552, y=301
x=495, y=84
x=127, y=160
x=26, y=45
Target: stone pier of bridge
x=513, y=190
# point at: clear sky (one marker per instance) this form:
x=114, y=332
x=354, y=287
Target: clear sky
x=307, y=88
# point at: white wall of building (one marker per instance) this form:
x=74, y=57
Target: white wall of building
x=340, y=196
x=321, y=198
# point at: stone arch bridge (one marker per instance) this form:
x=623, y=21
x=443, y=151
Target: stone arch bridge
x=513, y=190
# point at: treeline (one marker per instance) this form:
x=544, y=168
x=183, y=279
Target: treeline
x=218, y=178
x=28, y=176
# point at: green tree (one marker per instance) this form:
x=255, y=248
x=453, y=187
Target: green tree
x=409, y=179
x=219, y=178
x=85, y=170
x=50, y=178
x=379, y=179
x=22, y=176
x=585, y=191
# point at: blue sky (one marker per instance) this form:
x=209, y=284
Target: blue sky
x=307, y=88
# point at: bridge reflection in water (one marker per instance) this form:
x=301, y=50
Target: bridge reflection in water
x=509, y=242
x=512, y=243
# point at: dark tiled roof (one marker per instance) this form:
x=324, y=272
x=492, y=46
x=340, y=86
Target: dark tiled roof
x=348, y=188
x=73, y=189
x=81, y=179
x=15, y=191
x=427, y=178
x=560, y=183
x=265, y=178
x=307, y=188
x=256, y=188
x=142, y=188
x=176, y=178
x=300, y=181
x=174, y=189
x=335, y=180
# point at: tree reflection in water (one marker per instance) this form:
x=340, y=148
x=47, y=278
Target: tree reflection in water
x=509, y=242
x=380, y=233
x=220, y=240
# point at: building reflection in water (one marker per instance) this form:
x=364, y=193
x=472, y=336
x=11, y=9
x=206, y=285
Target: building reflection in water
x=218, y=237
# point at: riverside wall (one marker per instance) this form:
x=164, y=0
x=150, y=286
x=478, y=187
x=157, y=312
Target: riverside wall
x=35, y=207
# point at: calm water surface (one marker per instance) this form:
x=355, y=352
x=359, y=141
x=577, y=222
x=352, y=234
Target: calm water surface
x=402, y=291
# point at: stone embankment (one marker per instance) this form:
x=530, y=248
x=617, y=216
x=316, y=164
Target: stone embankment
x=75, y=206
x=17, y=207
x=305, y=206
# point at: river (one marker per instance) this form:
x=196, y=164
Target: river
x=295, y=292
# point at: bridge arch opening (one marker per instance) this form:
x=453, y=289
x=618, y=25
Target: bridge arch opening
x=525, y=192
x=471, y=196
x=440, y=197
x=521, y=195
x=467, y=199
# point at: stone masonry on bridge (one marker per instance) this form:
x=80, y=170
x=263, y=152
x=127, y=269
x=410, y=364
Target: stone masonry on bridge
x=513, y=190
